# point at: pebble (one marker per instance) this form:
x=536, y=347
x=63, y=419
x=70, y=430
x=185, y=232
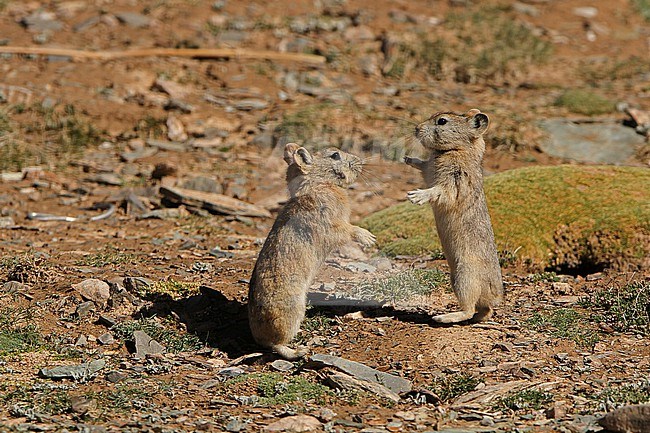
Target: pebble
x=106, y=338
x=133, y=19
x=94, y=290
x=84, y=308
x=251, y=104
x=360, y=267
x=145, y=345
x=116, y=376
x=282, y=365
x=294, y=424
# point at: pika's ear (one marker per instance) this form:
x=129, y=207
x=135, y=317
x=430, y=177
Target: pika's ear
x=289, y=150
x=480, y=122
x=302, y=158
x=473, y=112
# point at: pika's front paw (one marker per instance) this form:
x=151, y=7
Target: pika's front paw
x=419, y=196
x=365, y=238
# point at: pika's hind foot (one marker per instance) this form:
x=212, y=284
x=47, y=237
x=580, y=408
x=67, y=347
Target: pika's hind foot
x=288, y=353
x=457, y=317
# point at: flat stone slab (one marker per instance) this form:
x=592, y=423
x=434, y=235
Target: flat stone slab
x=600, y=142
x=360, y=371
x=216, y=203
x=77, y=372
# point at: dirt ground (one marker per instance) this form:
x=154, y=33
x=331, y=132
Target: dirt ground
x=79, y=132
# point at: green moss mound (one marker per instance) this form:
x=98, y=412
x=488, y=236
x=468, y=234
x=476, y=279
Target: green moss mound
x=562, y=217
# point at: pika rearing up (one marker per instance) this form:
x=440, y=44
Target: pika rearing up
x=314, y=222
x=454, y=180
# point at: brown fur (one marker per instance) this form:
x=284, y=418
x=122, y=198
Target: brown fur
x=454, y=180
x=314, y=222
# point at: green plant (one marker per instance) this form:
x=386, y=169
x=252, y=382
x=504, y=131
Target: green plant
x=275, y=389
x=35, y=400
x=151, y=127
x=565, y=323
x=160, y=330
x=643, y=6
x=528, y=399
x=448, y=387
x=400, y=286
x=626, y=309
x=308, y=125
x=490, y=44
x=110, y=256
x=17, y=333
x=28, y=268
x=613, y=397
x=584, y=102
x=172, y=288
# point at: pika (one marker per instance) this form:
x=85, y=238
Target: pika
x=454, y=180
x=314, y=222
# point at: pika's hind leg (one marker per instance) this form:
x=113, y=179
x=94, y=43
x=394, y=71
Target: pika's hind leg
x=468, y=293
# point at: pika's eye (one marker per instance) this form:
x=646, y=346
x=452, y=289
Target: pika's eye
x=441, y=121
x=336, y=156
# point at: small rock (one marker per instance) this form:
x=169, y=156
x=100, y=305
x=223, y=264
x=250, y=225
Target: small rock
x=116, y=376
x=110, y=179
x=235, y=425
x=172, y=88
x=282, y=365
x=82, y=405
x=358, y=33
x=81, y=341
x=487, y=421
x=556, y=411
x=133, y=19
x=585, y=12
x=628, y=419
x=562, y=288
x=251, y=104
x=144, y=152
x=406, y=416
x=230, y=372
x=176, y=129
x=77, y=372
x=42, y=21
x=145, y=345
x=205, y=184
x=325, y=414
x=504, y=346
x=94, y=290
x=360, y=267
x=294, y=424
x=85, y=308
x=106, y=338
x=221, y=254
x=6, y=222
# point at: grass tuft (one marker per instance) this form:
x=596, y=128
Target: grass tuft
x=528, y=399
x=626, y=309
x=565, y=323
x=448, y=387
x=400, y=286
x=163, y=331
x=614, y=397
x=275, y=389
x=585, y=102
x=17, y=333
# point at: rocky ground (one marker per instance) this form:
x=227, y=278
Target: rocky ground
x=135, y=193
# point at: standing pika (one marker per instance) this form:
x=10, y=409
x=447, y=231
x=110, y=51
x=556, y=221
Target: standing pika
x=454, y=180
x=314, y=222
